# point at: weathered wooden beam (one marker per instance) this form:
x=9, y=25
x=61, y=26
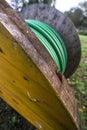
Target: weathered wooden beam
x=28, y=78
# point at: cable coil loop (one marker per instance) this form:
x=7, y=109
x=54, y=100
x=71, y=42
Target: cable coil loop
x=52, y=42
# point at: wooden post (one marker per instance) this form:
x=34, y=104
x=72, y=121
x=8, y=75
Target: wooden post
x=28, y=79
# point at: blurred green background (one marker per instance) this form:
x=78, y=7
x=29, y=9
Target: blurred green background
x=11, y=120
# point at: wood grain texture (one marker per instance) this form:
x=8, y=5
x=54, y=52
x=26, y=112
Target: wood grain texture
x=27, y=81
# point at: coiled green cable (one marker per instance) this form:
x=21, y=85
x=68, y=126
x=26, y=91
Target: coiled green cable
x=52, y=42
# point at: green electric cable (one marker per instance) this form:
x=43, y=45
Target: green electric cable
x=55, y=37
x=46, y=33
x=47, y=46
x=52, y=42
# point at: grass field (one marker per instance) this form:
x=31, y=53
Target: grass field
x=79, y=80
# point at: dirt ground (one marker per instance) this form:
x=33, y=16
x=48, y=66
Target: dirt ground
x=11, y=120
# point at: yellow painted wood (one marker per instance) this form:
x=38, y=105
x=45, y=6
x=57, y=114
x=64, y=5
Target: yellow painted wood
x=26, y=89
